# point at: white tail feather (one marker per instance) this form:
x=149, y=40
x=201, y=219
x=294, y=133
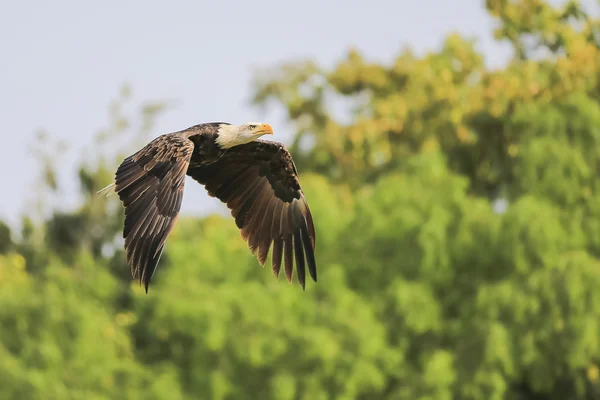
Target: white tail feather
x=107, y=191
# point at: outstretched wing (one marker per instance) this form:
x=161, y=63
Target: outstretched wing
x=259, y=183
x=150, y=184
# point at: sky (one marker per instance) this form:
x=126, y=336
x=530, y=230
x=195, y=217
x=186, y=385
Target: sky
x=64, y=61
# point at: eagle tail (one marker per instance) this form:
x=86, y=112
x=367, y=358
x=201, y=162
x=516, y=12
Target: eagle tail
x=107, y=191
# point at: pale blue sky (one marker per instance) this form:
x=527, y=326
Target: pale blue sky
x=64, y=61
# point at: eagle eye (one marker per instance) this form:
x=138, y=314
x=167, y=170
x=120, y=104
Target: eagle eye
x=251, y=127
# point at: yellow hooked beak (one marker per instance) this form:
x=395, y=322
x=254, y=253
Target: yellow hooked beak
x=264, y=129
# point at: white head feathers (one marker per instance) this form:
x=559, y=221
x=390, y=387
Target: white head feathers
x=233, y=135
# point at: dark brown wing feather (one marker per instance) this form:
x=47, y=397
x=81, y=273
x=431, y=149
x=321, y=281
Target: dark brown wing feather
x=150, y=184
x=259, y=183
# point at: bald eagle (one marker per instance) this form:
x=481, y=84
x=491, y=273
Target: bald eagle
x=256, y=179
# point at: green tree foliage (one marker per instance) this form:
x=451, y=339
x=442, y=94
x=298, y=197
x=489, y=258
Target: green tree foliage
x=458, y=233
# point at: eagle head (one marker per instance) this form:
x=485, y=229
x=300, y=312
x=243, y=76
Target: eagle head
x=234, y=135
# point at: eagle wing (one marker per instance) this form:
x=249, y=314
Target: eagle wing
x=150, y=184
x=259, y=183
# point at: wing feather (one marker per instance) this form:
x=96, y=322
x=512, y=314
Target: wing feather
x=150, y=185
x=258, y=182
x=264, y=231
x=276, y=255
x=300, y=266
x=288, y=257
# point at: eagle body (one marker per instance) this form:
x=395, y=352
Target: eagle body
x=256, y=179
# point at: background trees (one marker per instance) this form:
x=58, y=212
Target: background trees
x=458, y=224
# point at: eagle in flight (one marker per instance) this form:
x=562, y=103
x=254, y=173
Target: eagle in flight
x=256, y=179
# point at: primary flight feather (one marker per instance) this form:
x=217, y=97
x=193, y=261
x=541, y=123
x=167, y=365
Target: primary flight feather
x=257, y=179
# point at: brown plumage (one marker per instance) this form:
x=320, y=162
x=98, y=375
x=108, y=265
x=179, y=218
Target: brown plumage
x=256, y=179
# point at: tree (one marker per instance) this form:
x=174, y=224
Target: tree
x=498, y=305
